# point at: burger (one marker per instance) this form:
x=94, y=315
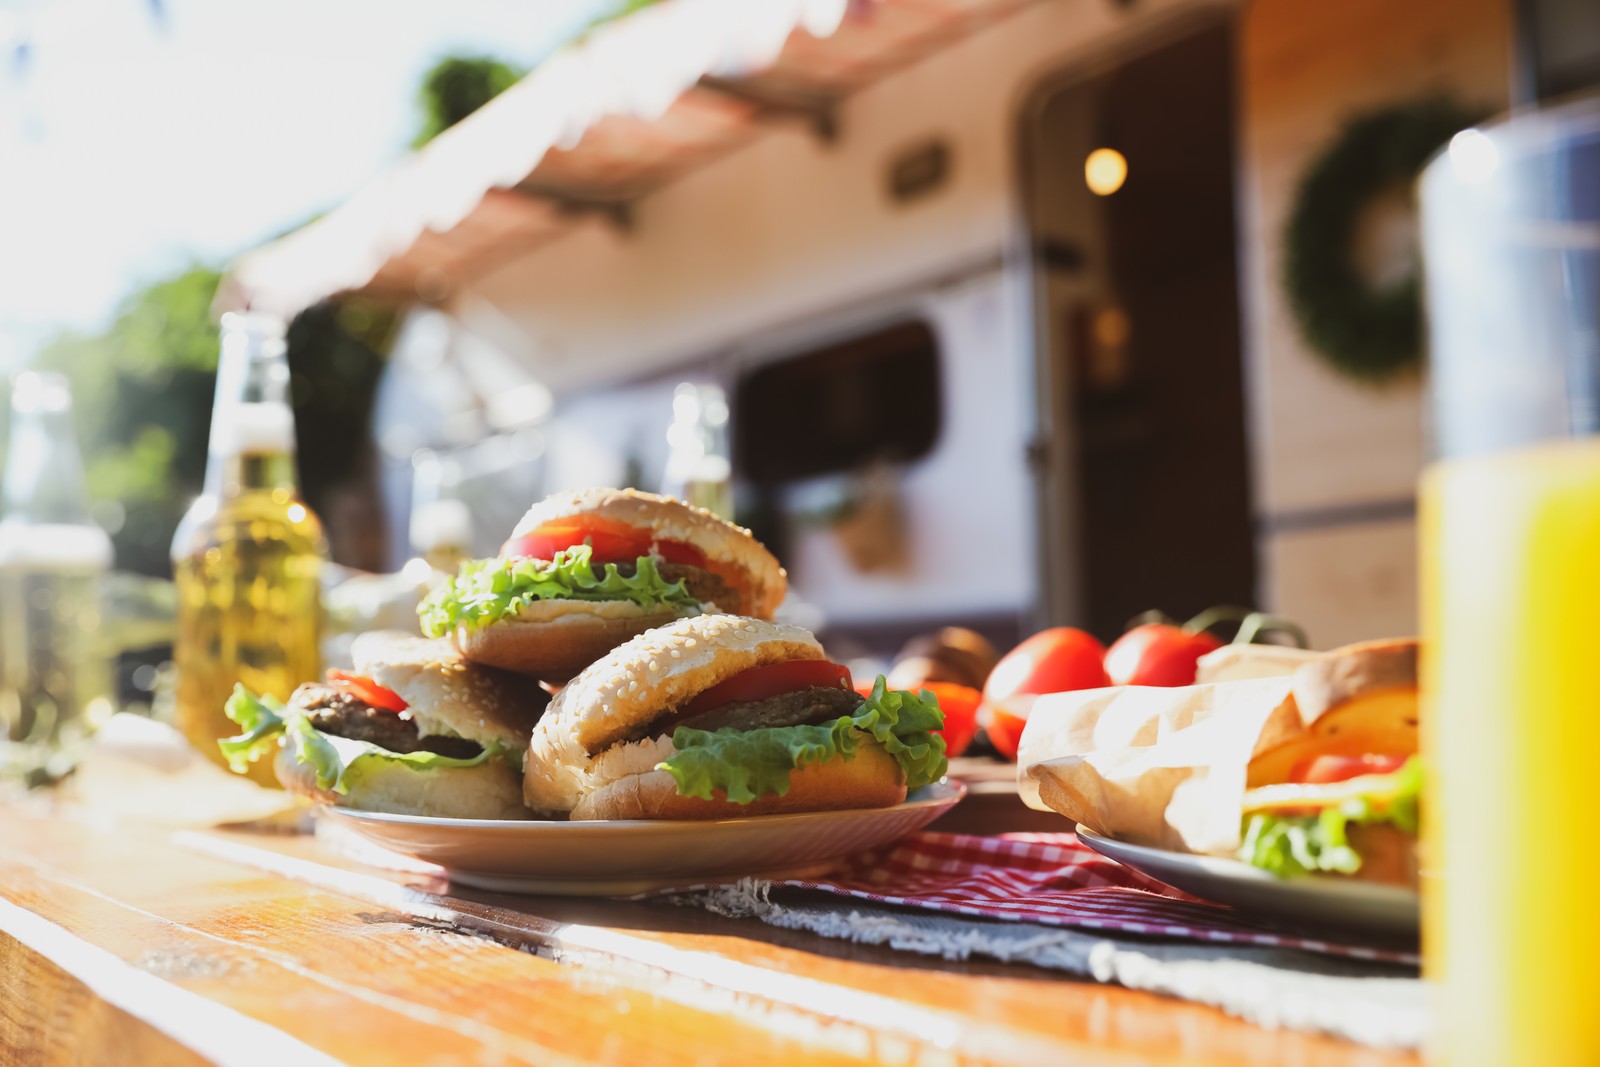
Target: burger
x=719, y=716
x=413, y=729
x=1342, y=796
x=585, y=571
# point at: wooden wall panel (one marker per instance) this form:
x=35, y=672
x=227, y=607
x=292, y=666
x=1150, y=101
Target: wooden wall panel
x=1321, y=441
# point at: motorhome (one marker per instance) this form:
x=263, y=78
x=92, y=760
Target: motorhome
x=992, y=288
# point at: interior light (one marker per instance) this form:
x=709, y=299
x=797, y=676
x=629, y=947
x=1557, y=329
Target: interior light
x=1105, y=170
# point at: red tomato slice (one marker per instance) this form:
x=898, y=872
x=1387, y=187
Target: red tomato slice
x=367, y=691
x=1322, y=770
x=612, y=541
x=759, y=683
x=1157, y=654
x=960, y=706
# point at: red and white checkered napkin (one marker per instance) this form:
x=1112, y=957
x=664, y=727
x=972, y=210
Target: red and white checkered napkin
x=1053, y=880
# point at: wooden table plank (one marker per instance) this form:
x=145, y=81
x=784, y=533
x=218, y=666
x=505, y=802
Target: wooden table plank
x=357, y=963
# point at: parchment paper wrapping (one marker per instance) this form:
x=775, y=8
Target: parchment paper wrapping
x=1154, y=766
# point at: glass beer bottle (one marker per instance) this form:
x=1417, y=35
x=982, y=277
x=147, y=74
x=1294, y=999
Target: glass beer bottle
x=55, y=668
x=247, y=558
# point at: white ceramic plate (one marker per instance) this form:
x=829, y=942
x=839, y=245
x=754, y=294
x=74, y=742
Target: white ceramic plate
x=636, y=856
x=1325, y=901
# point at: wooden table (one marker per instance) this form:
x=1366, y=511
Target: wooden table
x=131, y=945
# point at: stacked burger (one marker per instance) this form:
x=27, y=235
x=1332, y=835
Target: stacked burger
x=677, y=697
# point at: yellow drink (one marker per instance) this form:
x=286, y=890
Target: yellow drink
x=249, y=606
x=247, y=558
x=1511, y=675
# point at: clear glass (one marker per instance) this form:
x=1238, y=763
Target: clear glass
x=1510, y=560
x=55, y=664
x=247, y=557
x=699, y=469
x=441, y=521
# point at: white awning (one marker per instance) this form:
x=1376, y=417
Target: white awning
x=593, y=128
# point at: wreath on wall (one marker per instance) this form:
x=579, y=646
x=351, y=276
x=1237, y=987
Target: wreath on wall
x=1372, y=334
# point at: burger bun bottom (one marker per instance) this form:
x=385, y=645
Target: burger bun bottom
x=553, y=650
x=872, y=779
x=1388, y=854
x=491, y=790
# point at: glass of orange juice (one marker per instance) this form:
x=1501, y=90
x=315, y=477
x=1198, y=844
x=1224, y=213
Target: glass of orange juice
x=1510, y=544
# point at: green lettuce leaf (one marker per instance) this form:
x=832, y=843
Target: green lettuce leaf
x=1288, y=846
x=747, y=764
x=486, y=590
x=337, y=761
x=261, y=718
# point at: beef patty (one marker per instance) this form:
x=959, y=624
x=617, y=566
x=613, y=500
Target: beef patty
x=335, y=711
x=817, y=704
x=700, y=584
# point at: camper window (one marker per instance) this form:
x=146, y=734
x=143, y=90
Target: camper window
x=840, y=408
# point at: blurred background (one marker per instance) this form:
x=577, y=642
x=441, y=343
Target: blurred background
x=998, y=313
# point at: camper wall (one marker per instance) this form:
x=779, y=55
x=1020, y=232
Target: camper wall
x=785, y=242
x=791, y=243
x=1336, y=462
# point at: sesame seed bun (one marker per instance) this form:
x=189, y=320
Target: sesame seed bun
x=755, y=580
x=553, y=640
x=581, y=759
x=871, y=779
x=446, y=694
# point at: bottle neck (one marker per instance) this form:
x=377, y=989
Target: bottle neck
x=44, y=472
x=252, y=426
x=252, y=472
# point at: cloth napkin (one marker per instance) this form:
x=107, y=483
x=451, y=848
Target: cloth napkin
x=1053, y=880
x=1049, y=901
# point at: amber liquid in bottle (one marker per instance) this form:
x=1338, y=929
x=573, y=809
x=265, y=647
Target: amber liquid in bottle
x=247, y=557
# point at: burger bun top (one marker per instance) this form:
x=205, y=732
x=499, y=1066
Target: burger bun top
x=635, y=683
x=447, y=694
x=731, y=552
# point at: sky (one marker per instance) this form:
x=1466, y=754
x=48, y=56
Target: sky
x=139, y=136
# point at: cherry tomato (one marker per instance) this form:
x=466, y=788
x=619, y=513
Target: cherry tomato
x=960, y=706
x=1157, y=654
x=774, y=679
x=367, y=691
x=1051, y=661
x=1004, y=723
x=1321, y=770
x=1057, y=660
x=612, y=541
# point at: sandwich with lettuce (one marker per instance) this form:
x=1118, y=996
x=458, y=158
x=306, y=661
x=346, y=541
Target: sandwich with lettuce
x=719, y=716
x=583, y=572
x=1342, y=797
x=413, y=729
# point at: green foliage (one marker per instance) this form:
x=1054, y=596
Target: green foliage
x=1366, y=334
x=455, y=87
x=143, y=391
x=142, y=397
